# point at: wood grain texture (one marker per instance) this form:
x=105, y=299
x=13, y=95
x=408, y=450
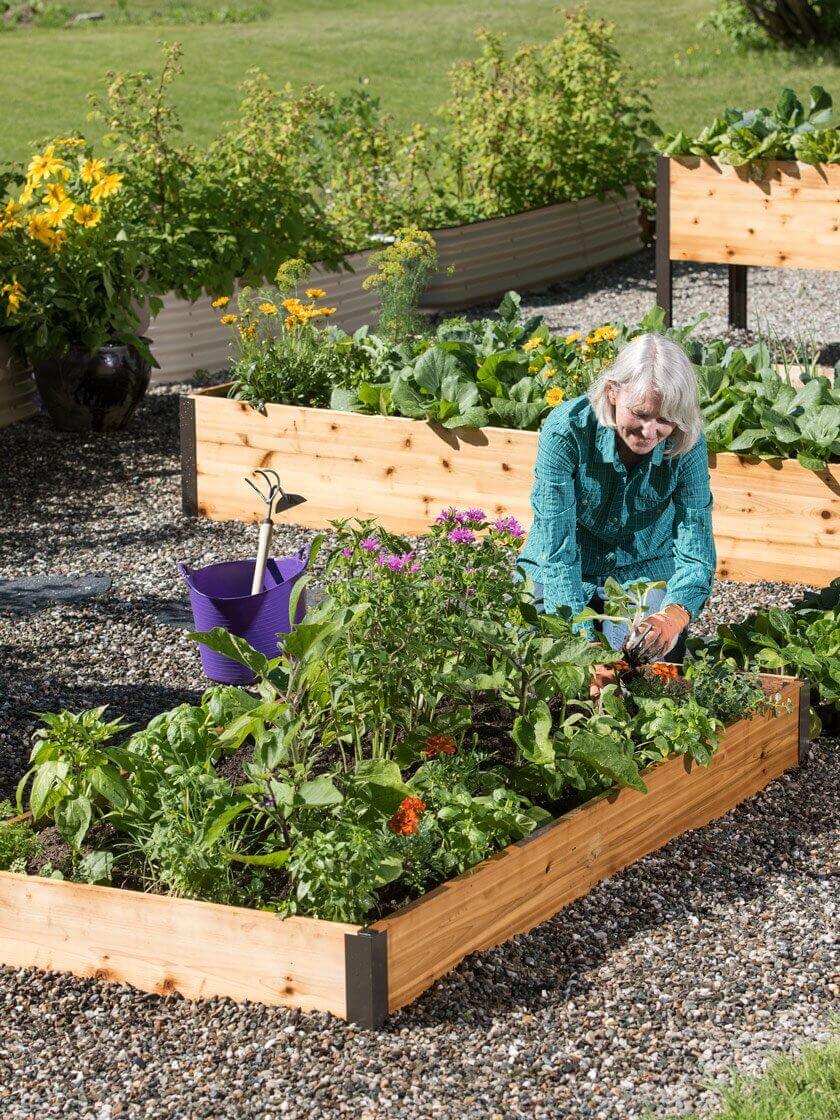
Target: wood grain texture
x=772, y=521
x=165, y=945
x=789, y=218
x=529, y=882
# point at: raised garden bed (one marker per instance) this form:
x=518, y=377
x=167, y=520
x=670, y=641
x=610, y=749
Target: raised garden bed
x=781, y=214
x=163, y=945
x=18, y=400
x=773, y=520
x=523, y=251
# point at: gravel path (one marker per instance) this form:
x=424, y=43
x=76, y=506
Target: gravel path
x=715, y=952
x=791, y=305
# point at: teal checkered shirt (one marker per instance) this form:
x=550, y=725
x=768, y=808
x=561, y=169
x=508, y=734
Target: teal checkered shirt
x=593, y=518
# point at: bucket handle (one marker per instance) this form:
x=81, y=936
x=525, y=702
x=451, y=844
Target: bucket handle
x=304, y=552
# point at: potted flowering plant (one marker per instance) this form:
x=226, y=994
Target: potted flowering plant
x=72, y=278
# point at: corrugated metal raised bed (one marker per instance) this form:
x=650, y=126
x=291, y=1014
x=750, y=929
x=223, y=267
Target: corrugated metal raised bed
x=18, y=399
x=523, y=251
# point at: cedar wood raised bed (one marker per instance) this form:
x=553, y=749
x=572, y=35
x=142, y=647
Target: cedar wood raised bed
x=775, y=213
x=772, y=520
x=163, y=945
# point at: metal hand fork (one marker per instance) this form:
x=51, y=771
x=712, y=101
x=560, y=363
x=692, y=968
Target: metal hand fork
x=274, y=497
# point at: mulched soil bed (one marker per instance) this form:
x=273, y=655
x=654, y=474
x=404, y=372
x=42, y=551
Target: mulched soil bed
x=711, y=954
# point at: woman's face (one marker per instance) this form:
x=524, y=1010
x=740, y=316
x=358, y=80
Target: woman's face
x=641, y=427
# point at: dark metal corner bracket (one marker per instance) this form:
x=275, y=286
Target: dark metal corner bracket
x=366, y=975
x=189, y=472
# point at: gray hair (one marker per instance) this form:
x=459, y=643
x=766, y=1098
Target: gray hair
x=654, y=363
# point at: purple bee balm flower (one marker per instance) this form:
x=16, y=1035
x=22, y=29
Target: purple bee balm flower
x=509, y=525
x=470, y=517
x=394, y=563
x=369, y=544
x=446, y=515
x=461, y=536
x=347, y=553
x=380, y=559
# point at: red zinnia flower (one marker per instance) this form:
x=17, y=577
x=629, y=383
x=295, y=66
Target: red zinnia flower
x=439, y=744
x=406, y=820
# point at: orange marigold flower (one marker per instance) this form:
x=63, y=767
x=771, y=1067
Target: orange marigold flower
x=665, y=670
x=406, y=820
x=439, y=744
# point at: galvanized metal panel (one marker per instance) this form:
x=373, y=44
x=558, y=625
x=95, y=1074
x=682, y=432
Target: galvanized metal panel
x=522, y=251
x=18, y=399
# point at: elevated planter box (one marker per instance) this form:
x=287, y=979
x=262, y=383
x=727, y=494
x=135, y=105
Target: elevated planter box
x=773, y=521
x=164, y=945
x=523, y=251
x=776, y=213
x=18, y=399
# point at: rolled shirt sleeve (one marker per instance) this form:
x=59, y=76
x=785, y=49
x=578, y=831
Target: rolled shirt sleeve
x=694, y=543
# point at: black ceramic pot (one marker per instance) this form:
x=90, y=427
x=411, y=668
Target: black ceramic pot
x=84, y=392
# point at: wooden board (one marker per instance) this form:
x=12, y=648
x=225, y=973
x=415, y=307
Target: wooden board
x=529, y=882
x=163, y=945
x=772, y=521
x=400, y=471
x=789, y=218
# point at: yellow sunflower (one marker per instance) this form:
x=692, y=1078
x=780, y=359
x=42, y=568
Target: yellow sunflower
x=58, y=214
x=87, y=215
x=93, y=170
x=15, y=296
x=109, y=184
x=44, y=166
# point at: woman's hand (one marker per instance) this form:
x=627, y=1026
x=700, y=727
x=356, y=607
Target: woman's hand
x=656, y=635
x=602, y=675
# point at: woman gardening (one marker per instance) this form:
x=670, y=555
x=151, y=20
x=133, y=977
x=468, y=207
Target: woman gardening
x=622, y=490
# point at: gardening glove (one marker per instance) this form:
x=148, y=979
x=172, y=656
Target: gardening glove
x=657, y=634
x=601, y=676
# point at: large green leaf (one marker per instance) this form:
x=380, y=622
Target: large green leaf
x=606, y=758
x=237, y=649
x=319, y=793
x=532, y=734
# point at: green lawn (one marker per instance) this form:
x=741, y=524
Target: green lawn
x=804, y=1087
x=403, y=46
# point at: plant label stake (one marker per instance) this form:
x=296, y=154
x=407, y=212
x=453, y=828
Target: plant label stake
x=275, y=498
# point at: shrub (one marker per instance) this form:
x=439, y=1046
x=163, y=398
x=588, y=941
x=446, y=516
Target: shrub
x=553, y=122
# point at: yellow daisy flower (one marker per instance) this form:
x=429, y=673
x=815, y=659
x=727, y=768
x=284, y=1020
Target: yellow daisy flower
x=87, y=215
x=109, y=184
x=15, y=296
x=532, y=368
x=44, y=166
x=573, y=337
x=268, y=308
x=315, y=293
x=553, y=397
x=59, y=213
x=222, y=301
x=548, y=371
x=531, y=344
x=93, y=170
x=39, y=229
x=227, y=319
x=9, y=215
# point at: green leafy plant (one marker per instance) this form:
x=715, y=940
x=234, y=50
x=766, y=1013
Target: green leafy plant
x=803, y=641
x=726, y=692
x=74, y=775
x=71, y=268
x=752, y=409
x=18, y=840
x=402, y=273
x=790, y=131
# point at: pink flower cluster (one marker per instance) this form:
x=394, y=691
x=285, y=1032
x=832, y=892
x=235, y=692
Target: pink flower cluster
x=508, y=525
x=461, y=536
x=462, y=517
x=395, y=563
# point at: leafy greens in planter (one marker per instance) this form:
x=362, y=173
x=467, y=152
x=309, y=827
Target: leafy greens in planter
x=803, y=641
x=751, y=409
x=412, y=724
x=790, y=131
